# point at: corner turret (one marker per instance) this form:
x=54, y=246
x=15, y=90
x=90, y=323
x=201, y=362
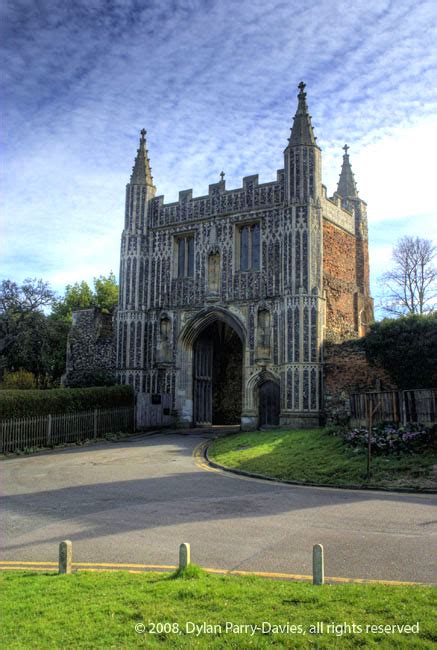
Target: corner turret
x=302, y=156
x=347, y=187
x=348, y=194
x=141, y=171
x=139, y=190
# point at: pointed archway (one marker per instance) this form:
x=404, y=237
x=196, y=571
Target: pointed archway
x=217, y=375
x=269, y=404
x=210, y=362
x=263, y=399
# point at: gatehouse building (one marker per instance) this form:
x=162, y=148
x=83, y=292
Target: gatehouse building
x=226, y=300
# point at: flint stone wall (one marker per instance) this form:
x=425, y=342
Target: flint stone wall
x=90, y=349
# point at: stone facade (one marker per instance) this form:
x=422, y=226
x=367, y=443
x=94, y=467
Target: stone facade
x=279, y=264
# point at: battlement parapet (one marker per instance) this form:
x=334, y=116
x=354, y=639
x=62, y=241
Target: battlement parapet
x=252, y=194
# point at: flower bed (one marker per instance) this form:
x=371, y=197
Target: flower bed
x=387, y=438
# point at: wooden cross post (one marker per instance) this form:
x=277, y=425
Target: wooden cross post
x=371, y=412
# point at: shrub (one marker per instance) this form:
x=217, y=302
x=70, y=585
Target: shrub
x=18, y=380
x=388, y=438
x=92, y=378
x=16, y=403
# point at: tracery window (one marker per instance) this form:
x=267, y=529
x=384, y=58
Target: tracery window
x=249, y=247
x=185, y=252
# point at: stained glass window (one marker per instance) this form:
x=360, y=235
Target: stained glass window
x=244, y=248
x=255, y=246
x=185, y=256
x=250, y=247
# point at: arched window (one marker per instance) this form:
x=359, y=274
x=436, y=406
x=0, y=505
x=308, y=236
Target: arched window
x=185, y=256
x=249, y=247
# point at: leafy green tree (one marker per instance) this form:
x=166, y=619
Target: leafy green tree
x=76, y=296
x=106, y=292
x=81, y=296
x=18, y=304
x=40, y=349
x=406, y=348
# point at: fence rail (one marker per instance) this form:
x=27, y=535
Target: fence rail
x=47, y=430
x=419, y=405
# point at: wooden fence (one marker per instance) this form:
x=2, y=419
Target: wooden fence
x=403, y=406
x=47, y=430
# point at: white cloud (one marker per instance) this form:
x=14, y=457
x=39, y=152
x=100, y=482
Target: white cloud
x=214, y=82
x=398, y=172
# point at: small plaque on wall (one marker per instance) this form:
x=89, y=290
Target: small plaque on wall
x=156, y=398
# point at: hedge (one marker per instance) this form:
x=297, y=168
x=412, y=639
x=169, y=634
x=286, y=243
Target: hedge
x=30, y=403
x=406, y=348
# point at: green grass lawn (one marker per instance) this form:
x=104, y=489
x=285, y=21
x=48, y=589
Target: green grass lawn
x=315, y=456
x=100, y=610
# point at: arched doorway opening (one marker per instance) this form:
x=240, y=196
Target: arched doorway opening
x=217, y=375
x=269, y=404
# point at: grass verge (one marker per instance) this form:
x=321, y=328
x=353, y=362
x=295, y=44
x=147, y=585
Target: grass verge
x=314, y=456
x=101, y=610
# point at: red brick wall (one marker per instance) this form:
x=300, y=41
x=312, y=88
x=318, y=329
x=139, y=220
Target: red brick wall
x=340, y=282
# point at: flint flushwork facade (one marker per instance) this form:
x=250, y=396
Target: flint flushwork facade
x=256, y=277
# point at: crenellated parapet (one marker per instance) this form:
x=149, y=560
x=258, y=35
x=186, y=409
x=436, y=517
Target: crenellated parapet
x=218, y=201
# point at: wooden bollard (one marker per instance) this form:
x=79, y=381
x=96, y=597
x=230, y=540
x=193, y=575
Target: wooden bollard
x=184, y=556
x=318, y=565
x=65, y=556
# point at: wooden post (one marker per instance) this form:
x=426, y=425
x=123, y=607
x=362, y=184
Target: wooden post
x=49, y=430
x=184, y=556
x=318, y=565
x=371, y=412
x=65, y=556
x=369, y=436
x=402, y=397
x=95, y=423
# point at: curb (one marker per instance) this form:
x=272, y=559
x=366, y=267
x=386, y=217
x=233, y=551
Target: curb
x=369, y=488
x=107, y=567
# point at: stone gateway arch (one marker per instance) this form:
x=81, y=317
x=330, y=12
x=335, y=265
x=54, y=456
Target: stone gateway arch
x=227, y=299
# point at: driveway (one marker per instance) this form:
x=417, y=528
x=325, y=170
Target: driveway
x=135, y=501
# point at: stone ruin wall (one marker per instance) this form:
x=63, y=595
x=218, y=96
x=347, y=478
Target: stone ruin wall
x=346, y=371
x=90, y=348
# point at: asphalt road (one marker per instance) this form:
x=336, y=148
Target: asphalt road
x=136, y=501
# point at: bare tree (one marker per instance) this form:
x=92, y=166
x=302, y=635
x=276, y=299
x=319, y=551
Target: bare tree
x=411, y=285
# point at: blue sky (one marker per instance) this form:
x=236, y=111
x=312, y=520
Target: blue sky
x=214, y=83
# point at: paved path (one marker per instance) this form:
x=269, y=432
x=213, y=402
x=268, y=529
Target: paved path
x=136, y=500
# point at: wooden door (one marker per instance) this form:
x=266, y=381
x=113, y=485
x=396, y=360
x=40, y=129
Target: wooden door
x=269, y=404
x=203, y=356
